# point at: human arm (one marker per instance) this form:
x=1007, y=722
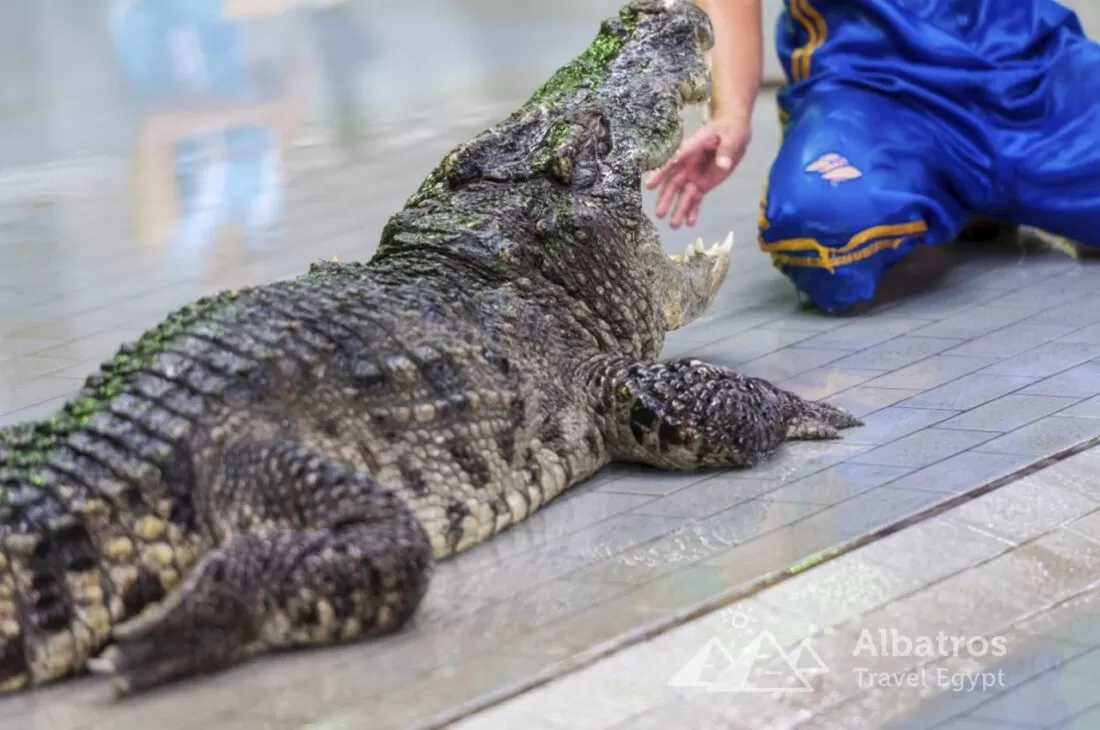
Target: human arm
x=737, y=59
x=706, y=158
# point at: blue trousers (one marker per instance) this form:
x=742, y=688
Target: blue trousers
x=902, y=119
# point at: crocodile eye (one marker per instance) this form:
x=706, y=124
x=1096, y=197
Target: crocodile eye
x=576, y=162
x=604, y=141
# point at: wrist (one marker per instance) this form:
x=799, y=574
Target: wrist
x=735, y=103
x=734, y=114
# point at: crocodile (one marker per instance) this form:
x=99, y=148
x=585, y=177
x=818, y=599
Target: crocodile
x=281, y=466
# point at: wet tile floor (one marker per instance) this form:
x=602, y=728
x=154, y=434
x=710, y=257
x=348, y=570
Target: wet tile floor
x=102, y=233
x=984, y=616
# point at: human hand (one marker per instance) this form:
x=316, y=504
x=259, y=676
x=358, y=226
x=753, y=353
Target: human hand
x=704, y=161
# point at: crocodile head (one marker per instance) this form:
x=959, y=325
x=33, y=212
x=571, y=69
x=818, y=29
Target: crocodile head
x=556, y=187
x=624, y=120
x=623, y=95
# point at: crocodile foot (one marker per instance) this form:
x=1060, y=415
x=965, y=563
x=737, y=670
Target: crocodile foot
x=362, y=571
x=204, y=625
x=686, y=414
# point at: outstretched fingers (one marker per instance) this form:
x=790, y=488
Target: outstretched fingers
x=700, y=141
x=688, y=209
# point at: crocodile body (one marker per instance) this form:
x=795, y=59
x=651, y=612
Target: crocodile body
x=280, y=466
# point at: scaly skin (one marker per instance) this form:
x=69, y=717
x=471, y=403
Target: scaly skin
x=279, y=466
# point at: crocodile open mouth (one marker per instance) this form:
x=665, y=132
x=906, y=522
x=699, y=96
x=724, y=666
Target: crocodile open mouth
x=692, y=282
x=699, y=249
x=695, y=95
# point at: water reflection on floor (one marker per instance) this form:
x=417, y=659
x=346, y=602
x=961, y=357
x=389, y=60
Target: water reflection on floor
x=200, y=104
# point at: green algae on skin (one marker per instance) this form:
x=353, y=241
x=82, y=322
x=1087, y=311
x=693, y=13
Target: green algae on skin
x=556, y=137
x=590, y=68
x=434, y=186
x=586, y=71
x=27, y=445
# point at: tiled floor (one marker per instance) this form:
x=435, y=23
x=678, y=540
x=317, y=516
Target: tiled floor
x=985, y=617
x=994, y=370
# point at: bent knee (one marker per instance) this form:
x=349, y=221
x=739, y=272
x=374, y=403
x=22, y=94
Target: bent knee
x=836, y=212
x=838, y=228
x=836, y=244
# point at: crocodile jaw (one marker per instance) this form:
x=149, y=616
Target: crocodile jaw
x=686, y=284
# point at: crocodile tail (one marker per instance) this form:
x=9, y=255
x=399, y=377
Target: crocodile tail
x=52, y=616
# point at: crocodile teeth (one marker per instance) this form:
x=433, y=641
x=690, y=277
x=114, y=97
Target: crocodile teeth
x=689, y=253
x=720, y=248
x=698, y=249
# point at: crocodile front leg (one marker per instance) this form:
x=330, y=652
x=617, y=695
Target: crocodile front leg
x=686, y=414
x=348, y=560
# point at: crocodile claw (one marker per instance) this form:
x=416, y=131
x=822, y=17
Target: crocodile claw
x=202, y=626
